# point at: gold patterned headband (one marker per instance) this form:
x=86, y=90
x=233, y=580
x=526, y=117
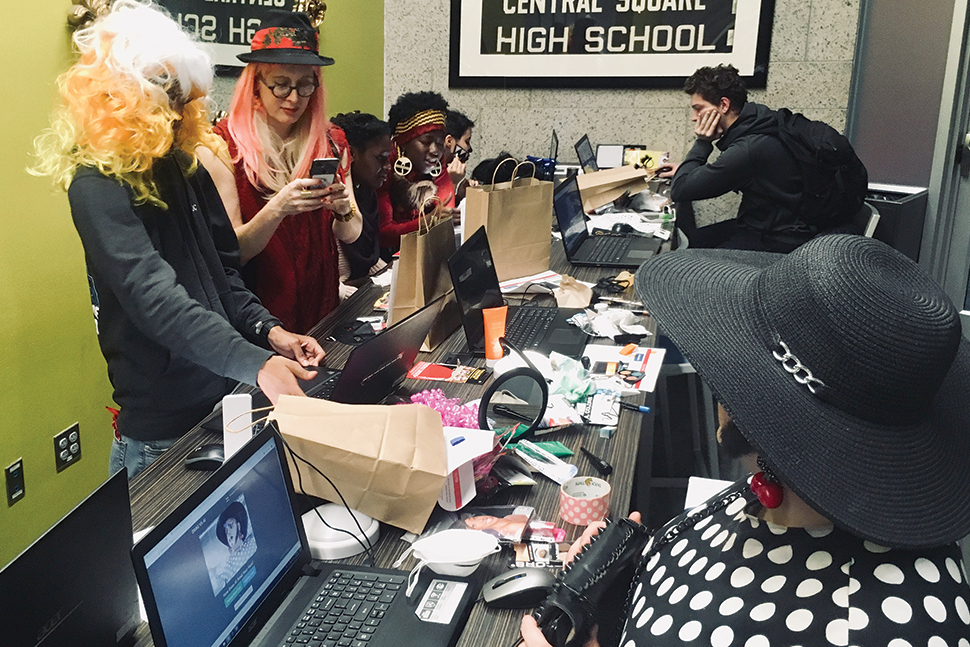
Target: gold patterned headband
x=423, y=119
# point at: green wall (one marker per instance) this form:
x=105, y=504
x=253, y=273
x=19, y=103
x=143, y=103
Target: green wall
x=353, y=35
x=51, y=371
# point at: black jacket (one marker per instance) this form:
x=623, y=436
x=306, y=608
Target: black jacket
x=175, y=322
x=754, y=162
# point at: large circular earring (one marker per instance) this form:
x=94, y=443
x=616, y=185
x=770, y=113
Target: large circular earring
x=435, y=170
x=402, y=165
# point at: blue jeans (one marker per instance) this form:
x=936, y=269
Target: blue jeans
x=135, y=455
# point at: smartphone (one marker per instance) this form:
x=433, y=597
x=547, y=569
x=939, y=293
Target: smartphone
x=325, y=170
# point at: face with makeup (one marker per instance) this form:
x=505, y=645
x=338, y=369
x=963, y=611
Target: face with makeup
x=426, y=151
x=284, y=92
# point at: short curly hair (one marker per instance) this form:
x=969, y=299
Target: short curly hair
x=411, y=103
x=712, y=83
x=362, y=129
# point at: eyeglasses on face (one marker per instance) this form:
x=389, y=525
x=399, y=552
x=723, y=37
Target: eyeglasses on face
x=282, y=90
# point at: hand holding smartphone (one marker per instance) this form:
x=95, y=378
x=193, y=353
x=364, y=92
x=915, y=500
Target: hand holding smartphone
x=324, y=170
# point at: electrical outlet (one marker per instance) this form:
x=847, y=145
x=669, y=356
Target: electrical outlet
x=15, y=481
x=67, y=447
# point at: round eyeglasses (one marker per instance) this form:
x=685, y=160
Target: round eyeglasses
x=282, y=90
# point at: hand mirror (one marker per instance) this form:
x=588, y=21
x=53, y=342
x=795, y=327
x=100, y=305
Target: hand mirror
x=518, y=396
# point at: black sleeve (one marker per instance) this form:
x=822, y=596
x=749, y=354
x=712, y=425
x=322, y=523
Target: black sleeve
x=246, y=313
x=121, y=253
x=698, y=180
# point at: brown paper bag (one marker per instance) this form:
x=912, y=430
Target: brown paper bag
x=602, y=187
x=420, y=275
x=517, y=216
x=388, y=462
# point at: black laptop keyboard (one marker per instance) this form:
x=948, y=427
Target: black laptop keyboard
x=347, y=611
x=608, y=248
x=325, y=389
x=528, y=325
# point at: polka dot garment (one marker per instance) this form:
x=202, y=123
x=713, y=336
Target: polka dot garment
x=733, y=580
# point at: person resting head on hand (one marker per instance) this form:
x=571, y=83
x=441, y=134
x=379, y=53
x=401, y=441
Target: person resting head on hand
x=842, y=375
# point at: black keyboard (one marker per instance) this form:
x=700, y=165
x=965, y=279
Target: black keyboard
x=528, y=325
x=608, y=248
x=323, y=390
x=348, y=610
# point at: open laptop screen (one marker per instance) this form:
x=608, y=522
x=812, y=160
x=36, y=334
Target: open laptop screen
x=587, y=158
x=216, y=561
x=568, y=205
x=476, y=285
x=74, y=585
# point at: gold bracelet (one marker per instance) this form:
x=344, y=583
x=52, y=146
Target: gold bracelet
x=347, y=216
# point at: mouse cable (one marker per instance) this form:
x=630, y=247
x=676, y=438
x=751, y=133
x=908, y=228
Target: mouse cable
x=368, y=547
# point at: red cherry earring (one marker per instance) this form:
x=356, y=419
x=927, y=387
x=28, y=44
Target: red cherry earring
x=765, y=486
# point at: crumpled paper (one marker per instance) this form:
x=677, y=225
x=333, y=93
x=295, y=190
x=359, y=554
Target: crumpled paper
x=609, y=323
x=572, y=293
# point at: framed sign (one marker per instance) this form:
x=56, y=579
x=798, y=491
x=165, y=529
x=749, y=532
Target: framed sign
x=227, y=27
x=605, y=43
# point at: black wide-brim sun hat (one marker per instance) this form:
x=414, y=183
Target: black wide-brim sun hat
x=844, y=365
x=285, y=38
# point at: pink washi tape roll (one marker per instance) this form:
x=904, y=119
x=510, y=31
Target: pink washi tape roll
x=584, y=499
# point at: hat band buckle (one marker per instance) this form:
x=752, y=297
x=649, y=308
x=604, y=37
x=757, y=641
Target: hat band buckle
x=801, y=373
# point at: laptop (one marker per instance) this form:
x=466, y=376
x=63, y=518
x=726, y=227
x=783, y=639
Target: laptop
x=266, y=590
x=587, y=158
x=75, y=585
x=607, y=250
x=375, y=367
x=528, y=327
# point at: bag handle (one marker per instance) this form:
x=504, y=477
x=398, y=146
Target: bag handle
x=428, y=220
x=227, y=428
x=500, y=164
x=516, y=169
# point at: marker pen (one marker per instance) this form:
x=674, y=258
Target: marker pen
x=634, y=407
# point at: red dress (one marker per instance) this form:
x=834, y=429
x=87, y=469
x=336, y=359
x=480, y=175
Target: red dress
x=296, y=275
x=397, y=216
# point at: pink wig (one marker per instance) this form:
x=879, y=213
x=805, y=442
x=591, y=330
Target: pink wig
x=244, y=113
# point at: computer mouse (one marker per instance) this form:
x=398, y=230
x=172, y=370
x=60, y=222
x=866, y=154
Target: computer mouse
x=519, y=588
x=206, y=457
x=622, y=228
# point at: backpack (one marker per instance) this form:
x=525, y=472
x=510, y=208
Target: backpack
x=834, y=179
